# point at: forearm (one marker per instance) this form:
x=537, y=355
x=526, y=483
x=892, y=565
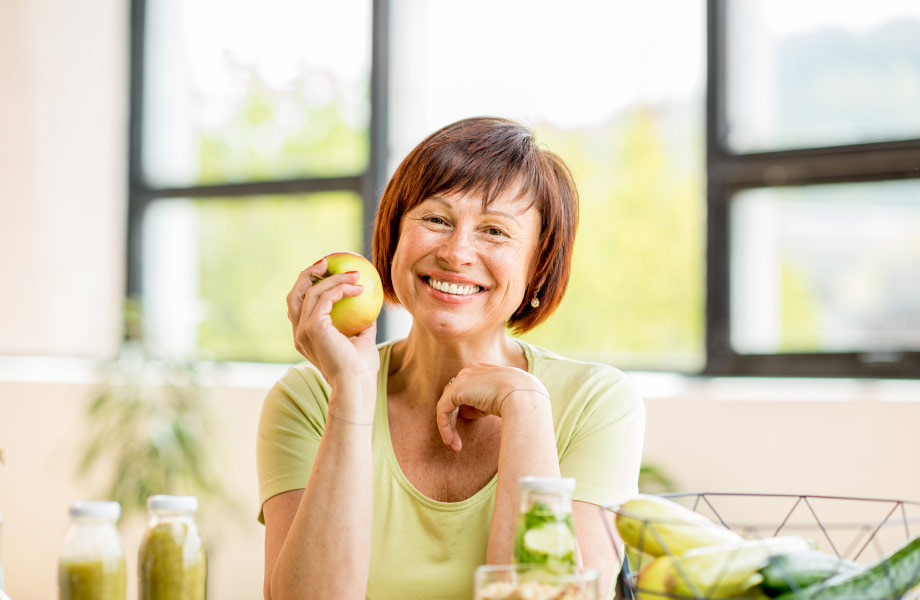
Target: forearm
x=326, y=552
x=528, y=447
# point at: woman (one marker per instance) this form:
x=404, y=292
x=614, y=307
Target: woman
x=391, y=471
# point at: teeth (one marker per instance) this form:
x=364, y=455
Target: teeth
x=453, y=288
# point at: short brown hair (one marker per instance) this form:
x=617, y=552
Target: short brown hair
x=487, y=156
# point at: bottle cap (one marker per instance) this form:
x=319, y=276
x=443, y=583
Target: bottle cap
x=96, y=509
x=173, y=503
x=547, y=484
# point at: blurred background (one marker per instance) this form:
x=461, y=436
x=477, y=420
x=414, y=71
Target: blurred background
x=749, y=244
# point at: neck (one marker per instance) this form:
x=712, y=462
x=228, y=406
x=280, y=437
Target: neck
x=423, y=363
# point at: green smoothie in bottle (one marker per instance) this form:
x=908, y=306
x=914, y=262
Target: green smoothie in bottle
x=171, y=562
x=92, y=562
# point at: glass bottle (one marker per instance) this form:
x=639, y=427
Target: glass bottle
x=91, y=564
x=545, y=534
x=171, y=562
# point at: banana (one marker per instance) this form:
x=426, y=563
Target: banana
x=714, y=572
x=658, y=526
x=656, y=579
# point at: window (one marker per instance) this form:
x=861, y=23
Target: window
x=813, y=188
x=617, y=90
x=760, y=222
x=258, y=144
x=256, y=141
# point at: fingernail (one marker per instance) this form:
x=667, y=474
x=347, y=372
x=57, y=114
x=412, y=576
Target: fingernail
x=317, y=262
x=350, y=272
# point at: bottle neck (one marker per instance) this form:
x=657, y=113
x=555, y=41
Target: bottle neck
x=172, y=515
x=559, y=503
x=81, y=521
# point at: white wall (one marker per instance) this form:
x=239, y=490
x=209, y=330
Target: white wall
x=62, y=175
x=41, y=434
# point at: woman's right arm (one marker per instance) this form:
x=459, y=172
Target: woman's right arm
x=317, y=540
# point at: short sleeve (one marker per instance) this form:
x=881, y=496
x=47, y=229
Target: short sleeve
x=604, y=451
x=290, y=428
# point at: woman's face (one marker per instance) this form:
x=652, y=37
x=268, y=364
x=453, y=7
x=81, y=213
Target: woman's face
x=462, y=269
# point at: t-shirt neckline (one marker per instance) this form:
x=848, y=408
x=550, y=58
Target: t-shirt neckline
x=382, y=426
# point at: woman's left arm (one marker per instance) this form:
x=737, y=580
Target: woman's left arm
x=528, y=439
x=528, y=447
x=594, y=543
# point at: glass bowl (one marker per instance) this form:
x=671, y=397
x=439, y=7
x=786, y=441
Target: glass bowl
x=532, y=582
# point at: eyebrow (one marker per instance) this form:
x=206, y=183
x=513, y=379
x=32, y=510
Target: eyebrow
x=441, y=200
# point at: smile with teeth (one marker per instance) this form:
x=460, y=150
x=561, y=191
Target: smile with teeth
x=463, y=289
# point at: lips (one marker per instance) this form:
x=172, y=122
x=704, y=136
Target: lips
x=455, y=289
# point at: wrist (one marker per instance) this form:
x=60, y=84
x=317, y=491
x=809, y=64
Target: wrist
x=523, y=398
x=354, y=385
x=353, y=400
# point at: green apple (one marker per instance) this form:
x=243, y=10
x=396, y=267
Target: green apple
x=353, y=315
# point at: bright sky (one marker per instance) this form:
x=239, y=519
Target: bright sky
x=787, y=17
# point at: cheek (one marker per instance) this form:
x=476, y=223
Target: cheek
x=401, y=267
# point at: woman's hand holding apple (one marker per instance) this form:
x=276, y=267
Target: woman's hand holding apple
x=343, y=361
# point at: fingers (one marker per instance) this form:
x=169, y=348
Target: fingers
x=447, y=422
x=304, y=282
x=306, y=292
x=320, y=298
x=310, y=302
x=469, y=412
x=368, y=336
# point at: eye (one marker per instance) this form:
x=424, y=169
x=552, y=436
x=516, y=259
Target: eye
x=496, y=232
x=434, y=220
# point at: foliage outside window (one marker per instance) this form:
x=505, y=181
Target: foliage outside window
x=230, y=130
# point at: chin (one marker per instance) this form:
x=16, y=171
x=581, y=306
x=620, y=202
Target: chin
x=451, y=326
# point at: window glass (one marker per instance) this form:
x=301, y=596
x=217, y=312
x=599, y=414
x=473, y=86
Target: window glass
x=217, y=271
x=821, y=73
x=826, y=268
x=240, y=91
x=616, y=89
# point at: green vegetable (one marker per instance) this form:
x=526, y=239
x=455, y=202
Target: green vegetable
x=798, y=570
x=888, y=579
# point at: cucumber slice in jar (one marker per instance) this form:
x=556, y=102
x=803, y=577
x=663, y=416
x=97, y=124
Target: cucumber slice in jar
x=553, y=539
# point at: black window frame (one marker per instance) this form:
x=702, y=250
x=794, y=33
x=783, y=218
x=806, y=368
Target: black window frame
x=729, y=172
x=368, y=184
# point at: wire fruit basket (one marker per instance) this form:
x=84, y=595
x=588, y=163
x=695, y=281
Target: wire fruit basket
x=860, y=533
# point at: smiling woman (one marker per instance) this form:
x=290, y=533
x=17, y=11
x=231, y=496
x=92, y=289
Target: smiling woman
x=496, y=161
x=391, y=470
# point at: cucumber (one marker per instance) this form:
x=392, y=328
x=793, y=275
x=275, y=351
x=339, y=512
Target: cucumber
x=888, y=579
x=796, y=571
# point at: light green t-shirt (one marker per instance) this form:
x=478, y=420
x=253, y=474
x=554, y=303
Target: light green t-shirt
x=423, y=548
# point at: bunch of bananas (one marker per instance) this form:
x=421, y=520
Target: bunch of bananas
x=692, y=556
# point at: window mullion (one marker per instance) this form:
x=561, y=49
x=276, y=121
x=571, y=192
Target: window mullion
x=872, y=162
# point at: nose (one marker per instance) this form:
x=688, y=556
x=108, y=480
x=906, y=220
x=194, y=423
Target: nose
x=457, y=250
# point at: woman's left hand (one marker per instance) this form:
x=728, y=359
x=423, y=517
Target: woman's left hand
x=479, y=390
